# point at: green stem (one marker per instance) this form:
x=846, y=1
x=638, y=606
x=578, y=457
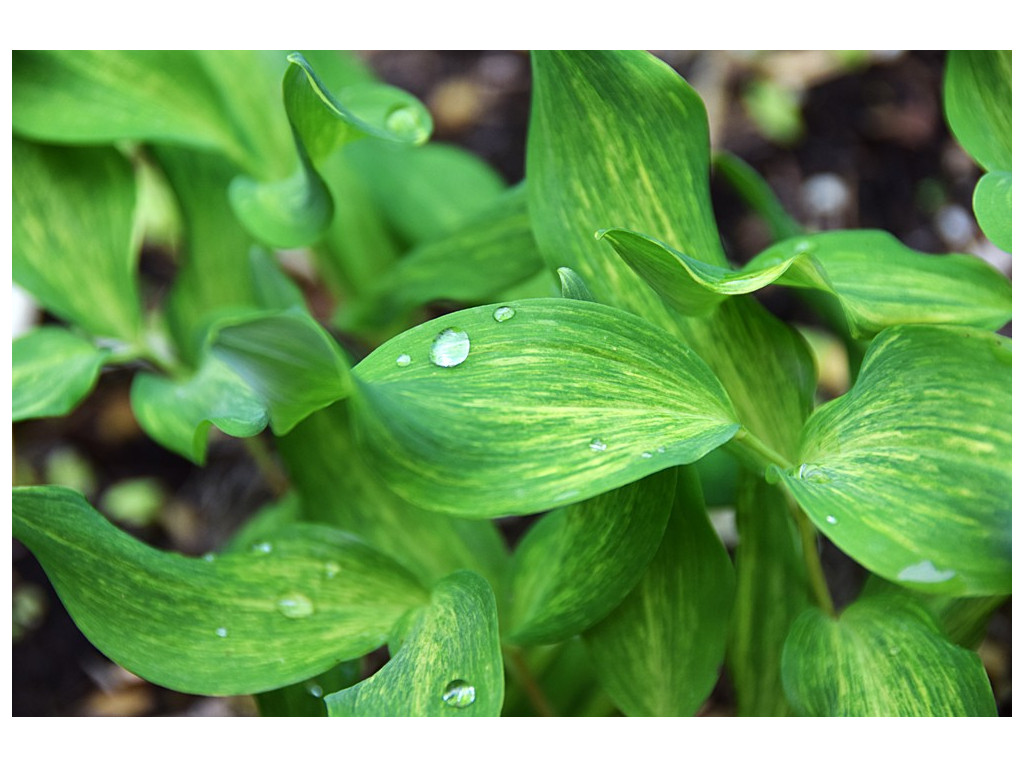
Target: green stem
x=530, y=686
x=757, y=456
x=268, y=467
x=815, y=573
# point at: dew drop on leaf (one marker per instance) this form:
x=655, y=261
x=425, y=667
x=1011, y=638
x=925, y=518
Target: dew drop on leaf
x=222, y=632
x=459, y=694
x=813, y=474
x=295, y=606
x=831, y=520
x=402, y=360
x=501, y=314
x=314, y=690
x=597, y=445
x=209, y=557
x=646, y=455
x=263, y=548
x=450, y=348
x=332, y=570
x=405, y=124
x=925, y=572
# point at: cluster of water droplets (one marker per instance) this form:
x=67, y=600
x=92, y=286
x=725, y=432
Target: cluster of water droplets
x=451, y=346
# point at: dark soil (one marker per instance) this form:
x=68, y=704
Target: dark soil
x=873, y=137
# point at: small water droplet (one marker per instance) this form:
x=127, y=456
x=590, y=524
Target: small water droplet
x=661, y=449
x=402, y=360
x=222, y=632
x=263, y=548
x=295, y=606
x=597, y=445
x=459, y=693
x=831, y=520
x=332, y=570
x=450, y=348
x=813, y=474
x=646, y=455
x=501, y=314
x=314, y=690
x=210, y=557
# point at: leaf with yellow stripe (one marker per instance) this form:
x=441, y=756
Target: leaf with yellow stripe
x=52, y=369
x=883, y=657
x=293, y=606
x=909, y=472
x=519, y=408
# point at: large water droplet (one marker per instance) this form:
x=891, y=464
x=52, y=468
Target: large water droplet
x=222, y=631
x=402, y=360
x=501, y=314
x=597, y=445
x=458, y=693
x=314, y=690
x=263, y=548
x=450, y=348
x=295, y=606
x=831, y=520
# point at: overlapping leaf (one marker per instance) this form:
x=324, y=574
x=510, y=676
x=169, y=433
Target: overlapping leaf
x=579, y=562
x=659, y=653
x=878, y=281
x=73, y=233
x=240, y=623
x=533, y=405
x=909, y=472
x=884, y=657
x=52, y=369
x=449, y=664
x=993, y=205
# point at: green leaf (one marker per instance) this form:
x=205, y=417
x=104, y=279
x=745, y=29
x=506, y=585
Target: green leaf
x=449, y=664
x=89, y=97
x=977, y=97
x=579, y=562
x=878, y=281
x=749, y=184
x=337, y=486
x=52, y=370
x=771, y=591
x=993, y=206
x=178, y=413
x=239, y=623
x=289, y=360
x=296, y=211
x=884, y=657
x=492, y=252
x=909, y=472
x=306, y=699
x=426, y=192
x=658, y=654
x=553, y=401
x=75, y=248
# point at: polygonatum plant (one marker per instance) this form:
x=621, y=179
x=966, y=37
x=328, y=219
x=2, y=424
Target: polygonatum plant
x=608, y=371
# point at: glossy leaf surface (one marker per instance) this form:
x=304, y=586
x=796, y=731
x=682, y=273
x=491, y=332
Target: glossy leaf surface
x=878, y=281
x=658, y=654
x=178, y=414
x=52, y=369
x=73, y=233
x=909, y=472
x=532, y=405
x=240, y=623
x=449, y=664
x=579, y=562
x=977, y=97
x=289, y=360
x=884, y=657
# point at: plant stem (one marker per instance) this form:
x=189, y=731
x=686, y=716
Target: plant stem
x=533, y=691
x=749, y=449
x=815, y=573
x=268, y=467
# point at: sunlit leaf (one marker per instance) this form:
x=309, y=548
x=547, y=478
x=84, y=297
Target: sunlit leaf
x=293, y=607
x=52, y=369
x=449, y=664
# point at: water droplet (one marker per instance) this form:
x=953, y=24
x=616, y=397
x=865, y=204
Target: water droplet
x=661, y=449
x=210, y=557
x=813, y=474
x=925, y=572
x=597, y=445
x=332, y=570
x=831, y=520
x=402, y=360
x=222, y=632
x=450, y=348
x=501, y=314
x=404, y=123
x=646, y=455
x=263, y=548
x=295, y=606
x=314, y=690
x=459, y=693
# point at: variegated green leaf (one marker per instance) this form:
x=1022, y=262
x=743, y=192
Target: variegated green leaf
x=977, y=97
x=884, y=657
x=579, y=562
x=909, y=472
x=518, y=408
x=52, y=369
x=449, y=663
x=289, y=360
x=296, y=211
x=179, y=414
x=292, y=607
x=75, y=245
x=658, y=654
x=878, y=281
